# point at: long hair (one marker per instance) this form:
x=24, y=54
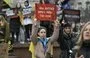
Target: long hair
x=2, y=18
x=80, y=40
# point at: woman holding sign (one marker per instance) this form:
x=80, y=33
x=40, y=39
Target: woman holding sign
x=27, y=22
x=41, y=42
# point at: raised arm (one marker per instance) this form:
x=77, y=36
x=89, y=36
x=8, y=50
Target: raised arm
x=56, y=31
x=35, y=27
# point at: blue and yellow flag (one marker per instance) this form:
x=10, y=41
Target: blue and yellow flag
x=31, y=49
x=8, y=2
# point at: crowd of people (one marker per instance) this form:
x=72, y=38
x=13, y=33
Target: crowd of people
x=29, y=29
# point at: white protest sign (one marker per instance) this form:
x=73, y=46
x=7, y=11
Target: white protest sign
x=9, y=13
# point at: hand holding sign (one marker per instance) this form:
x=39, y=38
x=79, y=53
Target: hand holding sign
x=56, y=23
x=36, y=22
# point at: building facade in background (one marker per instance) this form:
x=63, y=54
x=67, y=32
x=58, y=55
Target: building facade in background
x=84, y=7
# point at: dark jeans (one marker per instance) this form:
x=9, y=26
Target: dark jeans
x=13, y=38
x=66, y=54
x=27, y=31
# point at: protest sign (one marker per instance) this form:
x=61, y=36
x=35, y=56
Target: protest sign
x=71, y=15
x=45, y=12
x=27, y=11
x=10, y=13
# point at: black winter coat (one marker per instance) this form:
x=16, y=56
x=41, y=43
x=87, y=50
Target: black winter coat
x=66, y=43
x=85, y=50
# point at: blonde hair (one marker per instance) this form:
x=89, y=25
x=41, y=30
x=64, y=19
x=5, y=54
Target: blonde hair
x=80, y=40
x=2, y=18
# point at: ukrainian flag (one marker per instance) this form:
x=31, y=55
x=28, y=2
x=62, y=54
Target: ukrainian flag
x=8, y=2
x=31, y=49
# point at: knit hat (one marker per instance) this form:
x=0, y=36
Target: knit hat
x=66, y=25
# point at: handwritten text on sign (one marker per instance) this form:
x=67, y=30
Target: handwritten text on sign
x=45, y=12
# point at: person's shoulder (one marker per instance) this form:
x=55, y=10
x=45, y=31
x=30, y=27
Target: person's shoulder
x=30, y=6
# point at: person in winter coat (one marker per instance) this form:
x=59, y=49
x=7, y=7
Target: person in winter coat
x=83, y=44
x=41, y=42
x=15, y=26
x=66, y=40
x=4, y=30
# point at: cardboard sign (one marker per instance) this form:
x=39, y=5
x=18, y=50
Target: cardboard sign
x=45, y=12
x=27, y=11
x=70, y=15
x=3, y=50
x=10, y=13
